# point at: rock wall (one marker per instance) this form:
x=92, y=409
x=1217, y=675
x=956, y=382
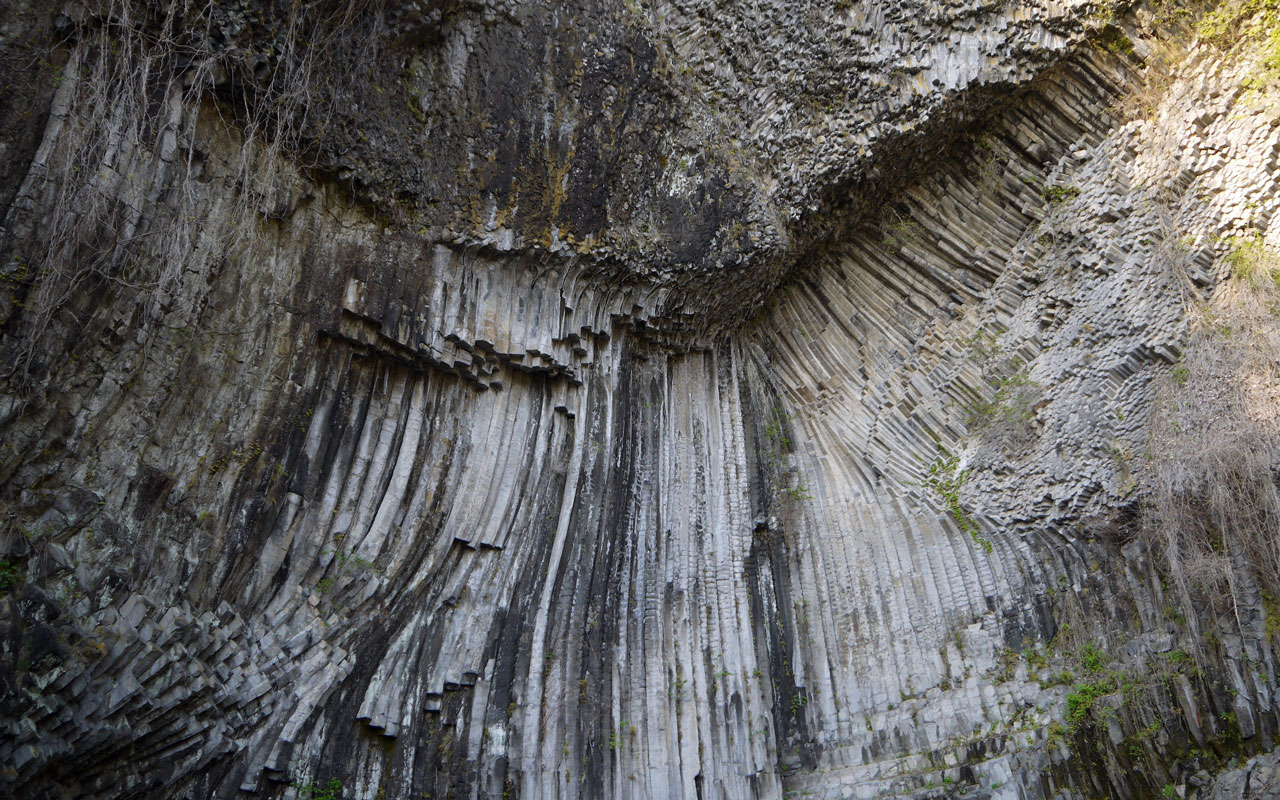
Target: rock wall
x=636, y=400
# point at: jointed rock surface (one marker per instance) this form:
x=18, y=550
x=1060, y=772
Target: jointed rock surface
x=636, y=399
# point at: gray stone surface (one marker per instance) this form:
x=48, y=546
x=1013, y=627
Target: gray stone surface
x=557, y=420
x=1259, y=777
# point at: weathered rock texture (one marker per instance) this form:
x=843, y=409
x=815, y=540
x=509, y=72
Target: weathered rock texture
x=651, y=399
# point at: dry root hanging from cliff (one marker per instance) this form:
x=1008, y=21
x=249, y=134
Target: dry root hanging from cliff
x=1215, y=441
x=108, y=205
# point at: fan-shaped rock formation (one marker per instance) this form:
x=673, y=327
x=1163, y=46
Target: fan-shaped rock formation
x=639, y=399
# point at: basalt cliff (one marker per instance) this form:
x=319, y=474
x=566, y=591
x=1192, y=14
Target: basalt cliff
x=703, y=399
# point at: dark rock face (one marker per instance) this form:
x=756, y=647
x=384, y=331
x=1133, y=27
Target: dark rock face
x=489, y=399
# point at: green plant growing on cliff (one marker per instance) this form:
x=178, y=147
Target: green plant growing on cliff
x=1234, y=21
x=1113, y=40
x=1056, y=195
x=1251, y=262
x=775, y=431
x=778, y=442
x=1007, y=419
x=351, y=562
x=329, y=790
x=945, y=478
x=1011, y=403
x=1083, y=700
x=989, y=165
x=1092, y=659
x=1174, y=21
x=797, y=493
x=798, y=701
x=900, y=233
x=1251, y=24
x=982, y=347
x=10, y=575
x=1102, y=677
